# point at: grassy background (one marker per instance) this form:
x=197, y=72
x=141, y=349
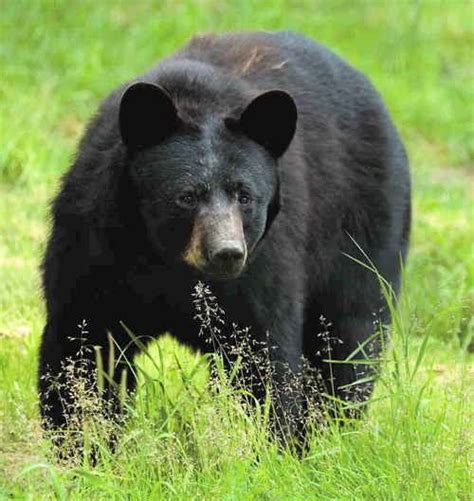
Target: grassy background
x=57, y=60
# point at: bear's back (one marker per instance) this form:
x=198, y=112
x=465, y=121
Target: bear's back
x=319, y=80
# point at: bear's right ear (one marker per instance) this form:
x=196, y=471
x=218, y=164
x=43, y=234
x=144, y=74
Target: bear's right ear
x=147, y=115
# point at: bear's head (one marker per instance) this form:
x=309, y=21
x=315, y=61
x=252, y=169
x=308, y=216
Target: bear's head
x=207, y=192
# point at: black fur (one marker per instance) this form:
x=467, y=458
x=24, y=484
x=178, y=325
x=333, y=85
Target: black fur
x=219, y=110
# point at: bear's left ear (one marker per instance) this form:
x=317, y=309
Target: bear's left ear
x=270, y=120
x=147, y=115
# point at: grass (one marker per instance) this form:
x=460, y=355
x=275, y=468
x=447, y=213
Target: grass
x=58, y=59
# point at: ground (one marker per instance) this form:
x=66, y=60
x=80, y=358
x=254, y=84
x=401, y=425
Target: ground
x=58, y=59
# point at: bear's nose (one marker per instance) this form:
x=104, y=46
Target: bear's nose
x=229, y=254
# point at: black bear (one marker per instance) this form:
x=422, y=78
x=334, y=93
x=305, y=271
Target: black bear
x=257, y=163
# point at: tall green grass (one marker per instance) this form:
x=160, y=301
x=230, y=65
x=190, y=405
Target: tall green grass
x=182, y=441
x=57, y=60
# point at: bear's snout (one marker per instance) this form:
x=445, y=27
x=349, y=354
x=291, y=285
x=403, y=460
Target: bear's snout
x=227, y=259
x=217, y=246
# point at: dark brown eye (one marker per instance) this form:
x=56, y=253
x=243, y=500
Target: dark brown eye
x=243, y=198
x=187, y=200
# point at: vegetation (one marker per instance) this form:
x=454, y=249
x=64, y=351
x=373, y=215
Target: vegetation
x=58, y=60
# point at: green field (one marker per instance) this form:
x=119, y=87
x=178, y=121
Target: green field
x=57, y=60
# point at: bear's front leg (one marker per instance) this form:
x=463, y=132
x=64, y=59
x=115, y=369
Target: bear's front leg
x=72, y=392
x=271, y=353
x=288, y=399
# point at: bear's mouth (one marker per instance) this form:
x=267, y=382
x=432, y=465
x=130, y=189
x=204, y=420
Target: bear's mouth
x=221, y=275
x=216, y=269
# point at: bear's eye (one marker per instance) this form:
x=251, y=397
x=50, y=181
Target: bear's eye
x=243, y=198
x=187, y=200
